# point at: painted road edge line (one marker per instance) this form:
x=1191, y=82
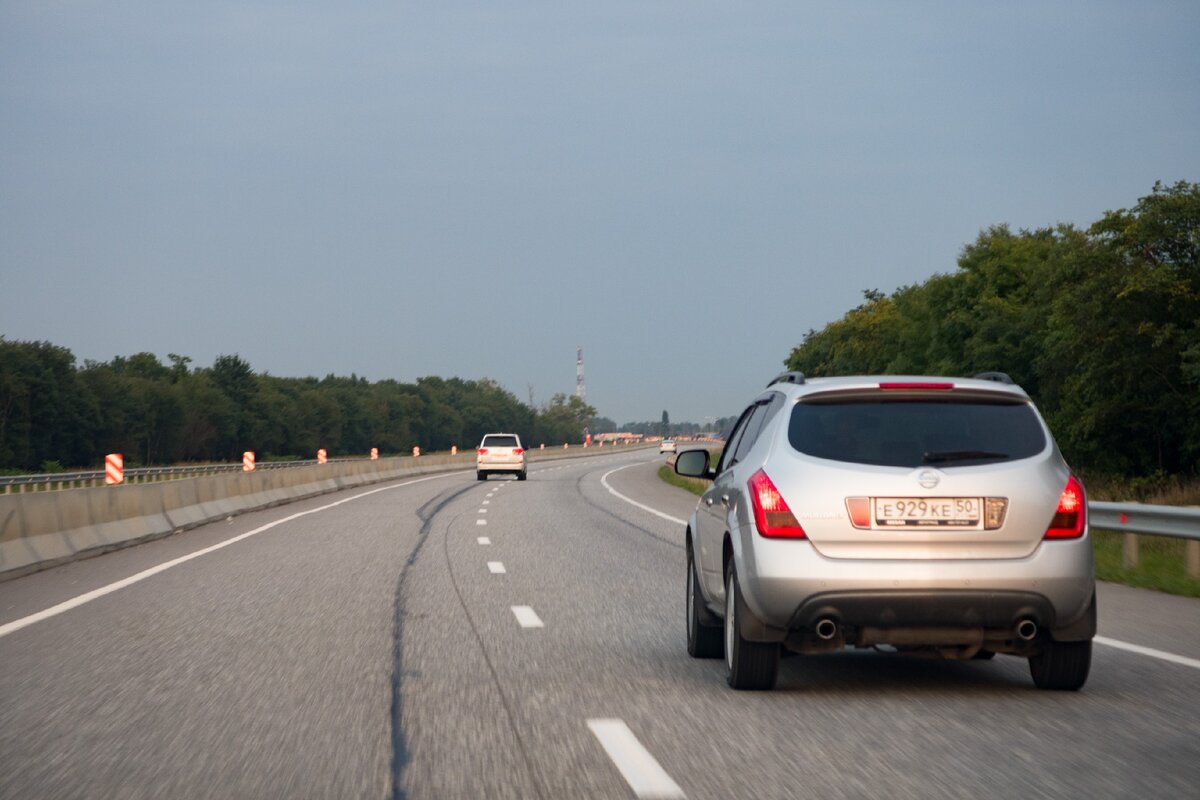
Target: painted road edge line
x=639, y=769
x=632, y=502
x=95, y=594
x=527, y=617
x=1148, y=651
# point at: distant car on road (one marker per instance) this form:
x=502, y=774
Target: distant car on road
x=666, y=446
x=926, y=515
x=500, y=453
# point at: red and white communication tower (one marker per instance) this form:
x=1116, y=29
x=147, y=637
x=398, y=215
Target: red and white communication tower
x=580, y=389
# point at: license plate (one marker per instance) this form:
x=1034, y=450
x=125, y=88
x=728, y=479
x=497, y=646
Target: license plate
x=928, y=512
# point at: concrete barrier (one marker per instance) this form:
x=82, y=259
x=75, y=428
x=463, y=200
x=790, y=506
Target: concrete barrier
x=39, y=530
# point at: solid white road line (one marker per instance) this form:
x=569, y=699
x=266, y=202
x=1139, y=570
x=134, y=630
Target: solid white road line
x=496, y=567
x=95, y=594
x=1148, y=651
x=484, y=540
x=632, y=502
x=527, y=617
x=637, y=766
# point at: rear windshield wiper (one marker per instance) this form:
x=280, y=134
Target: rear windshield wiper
x=960, y=455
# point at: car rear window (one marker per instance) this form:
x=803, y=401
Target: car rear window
x=911, y=432
x=500, y=441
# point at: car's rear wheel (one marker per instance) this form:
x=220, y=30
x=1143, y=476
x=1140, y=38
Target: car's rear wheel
x=521, y=475
x=703, y=641
x=1061, y=665
x=480, y=476
x=749, y=665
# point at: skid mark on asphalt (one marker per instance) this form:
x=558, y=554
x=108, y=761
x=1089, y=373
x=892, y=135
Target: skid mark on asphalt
x=534, y=779
x=400, y=755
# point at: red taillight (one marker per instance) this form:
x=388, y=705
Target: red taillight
x=518, y=450
x=917, y=385
x=482, y=451
x=771, y=514
x=1071, y=515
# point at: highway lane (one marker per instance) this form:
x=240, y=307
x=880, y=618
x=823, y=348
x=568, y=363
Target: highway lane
x=373, y=650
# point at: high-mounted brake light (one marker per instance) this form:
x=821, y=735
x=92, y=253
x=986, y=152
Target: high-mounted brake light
x=1071, y=515
x=917, y=385
x=771, y=513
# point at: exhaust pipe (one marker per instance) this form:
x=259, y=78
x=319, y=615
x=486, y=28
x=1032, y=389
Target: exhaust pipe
x=826, y=628
x=1026, y=630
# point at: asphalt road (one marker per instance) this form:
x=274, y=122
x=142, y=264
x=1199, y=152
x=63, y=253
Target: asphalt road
x=446, y=638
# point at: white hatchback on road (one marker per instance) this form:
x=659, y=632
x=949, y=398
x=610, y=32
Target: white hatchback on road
x=500, y=453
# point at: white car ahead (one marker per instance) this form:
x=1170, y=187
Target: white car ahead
x=500, y=453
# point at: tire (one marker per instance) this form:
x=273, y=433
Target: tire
x=703, y=641
x=752, y=666
x=521, y=475
x=480, y=476
x=1061, y=665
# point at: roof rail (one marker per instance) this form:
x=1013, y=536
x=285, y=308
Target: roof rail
x=998, y=377
x=787, y=377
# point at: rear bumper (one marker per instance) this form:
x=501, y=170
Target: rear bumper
x=886, y=609
x=789, y=587
x=501, y=466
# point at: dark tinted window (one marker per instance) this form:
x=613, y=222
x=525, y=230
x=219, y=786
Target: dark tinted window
x=910, y=433
x=500, y=441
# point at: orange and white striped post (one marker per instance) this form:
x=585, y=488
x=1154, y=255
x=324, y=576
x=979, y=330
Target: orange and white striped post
x=114, y=469
x=416, y=451
x=248, y=461
x=321, y=459
x=453, y=449
x=374, y=453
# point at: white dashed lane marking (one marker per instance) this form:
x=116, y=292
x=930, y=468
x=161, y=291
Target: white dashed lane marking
x=496, y=568
x=481, y=522
x=639, y=769
x=527, y=617
x=484, y=540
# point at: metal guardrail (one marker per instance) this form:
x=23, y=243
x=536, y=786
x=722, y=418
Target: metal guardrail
x=1175, y=521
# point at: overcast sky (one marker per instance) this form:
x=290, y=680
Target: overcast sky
x=400, y=189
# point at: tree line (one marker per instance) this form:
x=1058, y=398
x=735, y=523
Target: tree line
x=1100, y=325
x=56, y=414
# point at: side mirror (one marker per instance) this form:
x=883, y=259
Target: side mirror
x=693, y=464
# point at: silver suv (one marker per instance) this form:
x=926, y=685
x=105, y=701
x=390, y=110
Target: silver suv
x=917, y=514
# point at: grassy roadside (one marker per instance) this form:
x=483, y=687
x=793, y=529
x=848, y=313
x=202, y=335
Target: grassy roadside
x=1161, y=564
x=1161, y=567
x=693, y=485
